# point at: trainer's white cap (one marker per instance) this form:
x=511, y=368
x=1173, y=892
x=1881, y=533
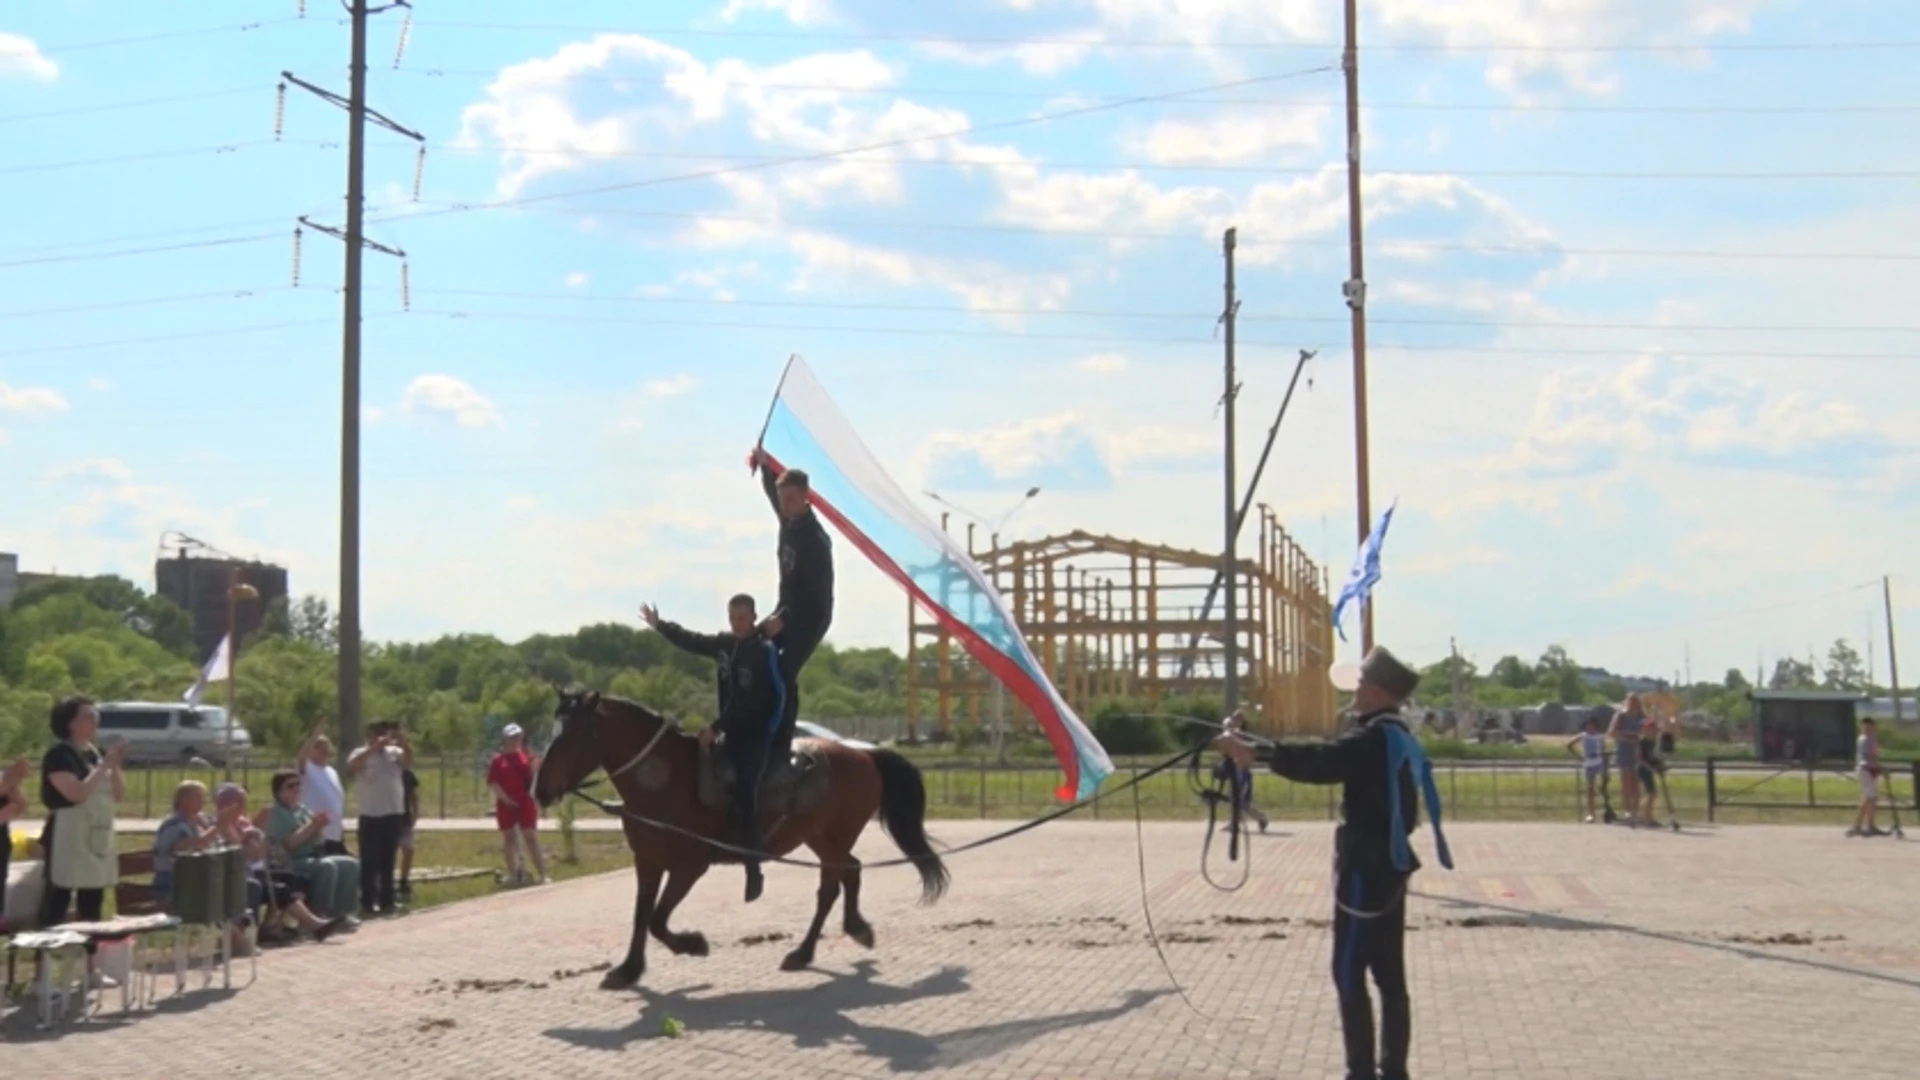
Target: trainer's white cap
x=510, y=731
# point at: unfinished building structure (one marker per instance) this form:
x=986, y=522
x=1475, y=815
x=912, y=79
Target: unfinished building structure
x=1109, y=618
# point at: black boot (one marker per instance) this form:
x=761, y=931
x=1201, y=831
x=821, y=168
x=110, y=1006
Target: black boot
x=755, y=882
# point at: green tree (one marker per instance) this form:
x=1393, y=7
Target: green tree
x=1844, y=670
x=1791, y=674
x=1513, y=673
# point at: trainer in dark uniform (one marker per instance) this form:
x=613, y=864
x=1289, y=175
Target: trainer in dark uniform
x=800, y=621
x=1382, y=770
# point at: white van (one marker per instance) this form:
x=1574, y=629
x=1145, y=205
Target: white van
x=158, y=732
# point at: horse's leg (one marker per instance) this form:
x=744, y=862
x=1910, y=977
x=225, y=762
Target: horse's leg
x=680, y=881
x=802, y=955
x=635, y=965
x=854, y=923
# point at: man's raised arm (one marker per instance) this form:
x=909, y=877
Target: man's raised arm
x=682, y=638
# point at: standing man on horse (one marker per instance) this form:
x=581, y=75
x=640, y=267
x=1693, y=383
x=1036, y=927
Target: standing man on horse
x=753, y=696
x=1382, y=769
x=800, y=621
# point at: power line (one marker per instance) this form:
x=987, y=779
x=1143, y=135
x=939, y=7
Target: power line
x=1205, y=317
x=828, y=155
x=160, y=155
x=152, y=301
x=1180, y=44
x=916, y=225
x=142, y=103
x=1162, y=166
x=1328, y=348
x=226, y=241
x=156, y=339
x=986, y=93
x=169, y=35
x=972, y=332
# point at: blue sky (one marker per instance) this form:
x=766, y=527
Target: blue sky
x=1637, y=391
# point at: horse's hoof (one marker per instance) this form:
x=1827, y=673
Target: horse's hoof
x=693, y=944
x=862, y=933
x=620, y=978
x=797, y=960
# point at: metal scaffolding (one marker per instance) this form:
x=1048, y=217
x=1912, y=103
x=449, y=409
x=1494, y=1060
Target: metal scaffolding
x=1111, y=618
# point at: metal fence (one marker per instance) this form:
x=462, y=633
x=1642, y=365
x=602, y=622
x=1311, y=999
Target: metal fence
x=1498, y=790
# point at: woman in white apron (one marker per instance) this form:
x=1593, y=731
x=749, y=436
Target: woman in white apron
x=79, y=786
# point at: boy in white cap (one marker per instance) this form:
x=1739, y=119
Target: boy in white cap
x=1383, y=771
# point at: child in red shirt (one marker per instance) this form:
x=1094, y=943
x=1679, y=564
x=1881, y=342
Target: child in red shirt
x=510, y=776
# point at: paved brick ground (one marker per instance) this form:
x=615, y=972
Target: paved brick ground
x=1554, y=953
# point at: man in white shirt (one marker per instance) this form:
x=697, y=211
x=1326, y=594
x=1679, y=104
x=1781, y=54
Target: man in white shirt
x=378, y=769
x=320, y=789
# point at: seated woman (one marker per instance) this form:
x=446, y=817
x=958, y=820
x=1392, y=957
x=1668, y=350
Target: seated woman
x=186, y=829
x=295, y=836
x=289, y=889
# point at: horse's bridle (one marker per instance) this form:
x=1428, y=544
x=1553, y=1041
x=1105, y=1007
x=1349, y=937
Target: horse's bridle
x=585, y=709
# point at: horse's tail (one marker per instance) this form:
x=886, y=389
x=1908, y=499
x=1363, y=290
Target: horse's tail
x=903, y=813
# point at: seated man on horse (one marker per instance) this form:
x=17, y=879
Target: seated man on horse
x=753, y=699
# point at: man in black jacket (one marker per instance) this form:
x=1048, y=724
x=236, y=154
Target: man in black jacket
x=753, y=695
x=1382, y=771
x=800, y=621
x=741, y=616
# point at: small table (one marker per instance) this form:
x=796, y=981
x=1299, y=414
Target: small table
x=45, y=946
x=134, y=929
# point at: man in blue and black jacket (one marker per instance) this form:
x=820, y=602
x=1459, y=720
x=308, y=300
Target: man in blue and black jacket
x=753, y=697
x=1383, y=771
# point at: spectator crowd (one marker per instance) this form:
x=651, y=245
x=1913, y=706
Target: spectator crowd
x=302, y=880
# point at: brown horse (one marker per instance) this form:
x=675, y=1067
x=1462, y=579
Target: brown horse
x=656, y=769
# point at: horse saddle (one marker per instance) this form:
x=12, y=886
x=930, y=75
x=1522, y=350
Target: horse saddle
x=793, y=786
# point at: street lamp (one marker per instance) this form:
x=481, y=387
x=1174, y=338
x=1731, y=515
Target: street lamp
x=993, y=527
x=236, y=592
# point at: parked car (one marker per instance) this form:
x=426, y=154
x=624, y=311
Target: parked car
x=173, y=732
x=807, y=729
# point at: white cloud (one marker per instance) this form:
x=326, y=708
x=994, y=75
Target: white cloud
x=1519, y=42
x=450, y=396
x=1061, y=451
x=1531, y=40
x=537, y=111
x=1103, y=363
x=20, y=56
x=677, y=386
x=832, y=260
x=1038, y=58
x=1617, y=427
x=31, y=399
x=100, y=385
x=798, y=12
x=578, y=279
x=108, y=469
x=1230, y=138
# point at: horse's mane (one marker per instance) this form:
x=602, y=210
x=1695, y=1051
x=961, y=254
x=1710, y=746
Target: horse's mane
x=629, y=705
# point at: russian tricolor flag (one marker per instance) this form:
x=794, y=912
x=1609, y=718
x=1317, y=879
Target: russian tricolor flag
x=851, y=490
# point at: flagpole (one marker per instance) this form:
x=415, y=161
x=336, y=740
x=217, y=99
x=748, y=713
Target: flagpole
x=775, y=403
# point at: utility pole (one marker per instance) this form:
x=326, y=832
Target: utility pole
x=1246, y=505
x=1459, y=706
x=1893, y=661
x=1227, y=567
x=1355, y=291
x=354, y=238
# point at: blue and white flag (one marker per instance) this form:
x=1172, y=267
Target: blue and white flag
x=1365, y=573
x=218, y=669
